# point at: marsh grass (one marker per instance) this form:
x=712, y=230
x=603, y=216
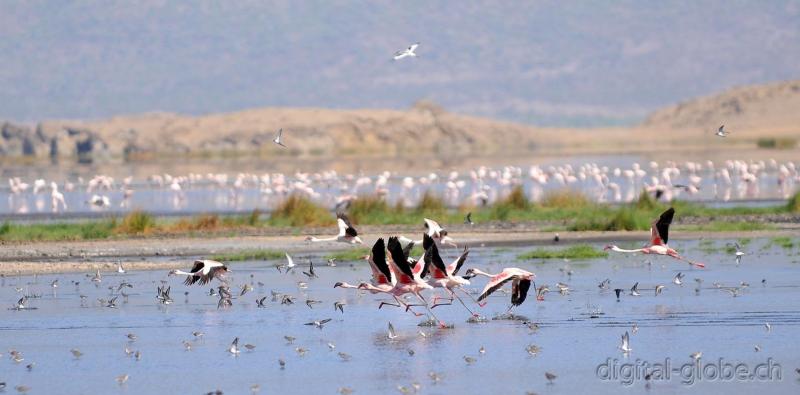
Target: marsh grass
x=250, y=255
x=793, y=205
x=297, y=210
x=580, y=251
x=784, y=242
x=58, y=231
x=137, y=222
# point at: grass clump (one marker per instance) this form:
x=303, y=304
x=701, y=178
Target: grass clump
x=92, y=230
x=430, y=204
x=137, y=222
x=250, y=255
x=565, y=198
x=726, y=226
x=793, y=205
x=298, y=210
x=580, y=251
x=783, y=242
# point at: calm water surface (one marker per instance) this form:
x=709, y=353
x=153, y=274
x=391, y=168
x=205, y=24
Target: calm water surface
x=673, y=325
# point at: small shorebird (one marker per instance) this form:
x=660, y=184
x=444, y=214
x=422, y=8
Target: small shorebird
x=659, y=288
x=696, y=355
x=659, y=236
x=347, y=233
x=120, y=270
x=721, y=132
x=678, y=280
x=76, y=353
x=234, y=348
x=339, y=306
x=277, y=140
x=468, y=219
x=635, y=290
x=625, y=346
x=310, y=273
x=203, y=272
x=122, y=379
x=550, y=377
x=318, y=323
x=739, y=253
x=391, y=334
x=408, y=52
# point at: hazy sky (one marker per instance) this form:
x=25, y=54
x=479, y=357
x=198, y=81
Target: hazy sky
x=542, y=62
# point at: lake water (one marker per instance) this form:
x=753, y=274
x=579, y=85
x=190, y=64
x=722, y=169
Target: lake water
x=572, y=344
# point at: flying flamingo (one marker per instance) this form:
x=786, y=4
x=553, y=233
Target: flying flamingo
x=203, y=272
x=445, y=276
x=521, y=282
x=347, y=233
x=435, y=231
x=659, y=235
x=382, y=277
x=408, y=280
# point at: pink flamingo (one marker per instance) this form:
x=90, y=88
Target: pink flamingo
x=659, y=235
x=382, y=278
x=347, y=233
x=408, y=280
x=521, y=282
x=442, y=276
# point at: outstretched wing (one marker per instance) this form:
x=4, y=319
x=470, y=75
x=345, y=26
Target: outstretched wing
x=494, y=284
x=519, y=291
x=198, y=265
x=345, y=227
x=434, y=261
x=377, y=260
x=454, y=267
x=659, y=231
x=407, y=249
x=398, y=260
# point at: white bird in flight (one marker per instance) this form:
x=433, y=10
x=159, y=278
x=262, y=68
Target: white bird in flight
x=277, y=139
x=404, y=53
x=721, y=132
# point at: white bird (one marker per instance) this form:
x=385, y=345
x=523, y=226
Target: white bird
x=203, y=272
x=721, y=132
x=277, y=139
x=347, y=233
x=234, y=349
x=739, y=253
x=408, y=52
x=626, y=345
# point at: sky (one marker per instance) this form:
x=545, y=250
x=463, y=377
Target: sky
x=550, y=63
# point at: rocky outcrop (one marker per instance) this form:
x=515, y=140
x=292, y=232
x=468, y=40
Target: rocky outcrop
x=43, y=142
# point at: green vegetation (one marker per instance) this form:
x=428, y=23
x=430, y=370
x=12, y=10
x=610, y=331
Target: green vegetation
x=250, y=255
x=782, y=241
x=776, y=143
x=558, y=210
x=299, y=210
x=137, y=222
x=580, y=251
x=793, y=205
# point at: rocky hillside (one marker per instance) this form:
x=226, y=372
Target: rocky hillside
x=310, y=132
x=751, y=111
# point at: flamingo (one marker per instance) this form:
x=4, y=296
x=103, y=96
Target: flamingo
x=347, y=233
x=445, y=276
x=203, y=271
x=519, y=287
x=409, y=280
x=382, y=277
x=435, y=231
x=659, y=235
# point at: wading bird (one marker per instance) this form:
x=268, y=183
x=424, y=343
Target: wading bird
x=521, y=282
x=659, y=236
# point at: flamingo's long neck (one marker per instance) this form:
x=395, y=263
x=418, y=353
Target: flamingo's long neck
x=617, y=249
x=372, y=288
x=346, y=285
x=482, y=273
x=316, y=239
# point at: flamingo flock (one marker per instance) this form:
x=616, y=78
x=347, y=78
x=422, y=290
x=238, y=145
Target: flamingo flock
x=703, y=181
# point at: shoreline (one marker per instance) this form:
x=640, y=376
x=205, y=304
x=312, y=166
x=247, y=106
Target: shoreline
x=159, y=253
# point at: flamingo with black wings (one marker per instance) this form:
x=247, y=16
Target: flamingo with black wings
x=659, y=236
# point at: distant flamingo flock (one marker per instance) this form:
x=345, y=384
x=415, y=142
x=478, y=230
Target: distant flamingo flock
x=708, y=181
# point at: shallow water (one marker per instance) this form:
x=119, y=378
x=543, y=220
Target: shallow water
x=671, y=325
